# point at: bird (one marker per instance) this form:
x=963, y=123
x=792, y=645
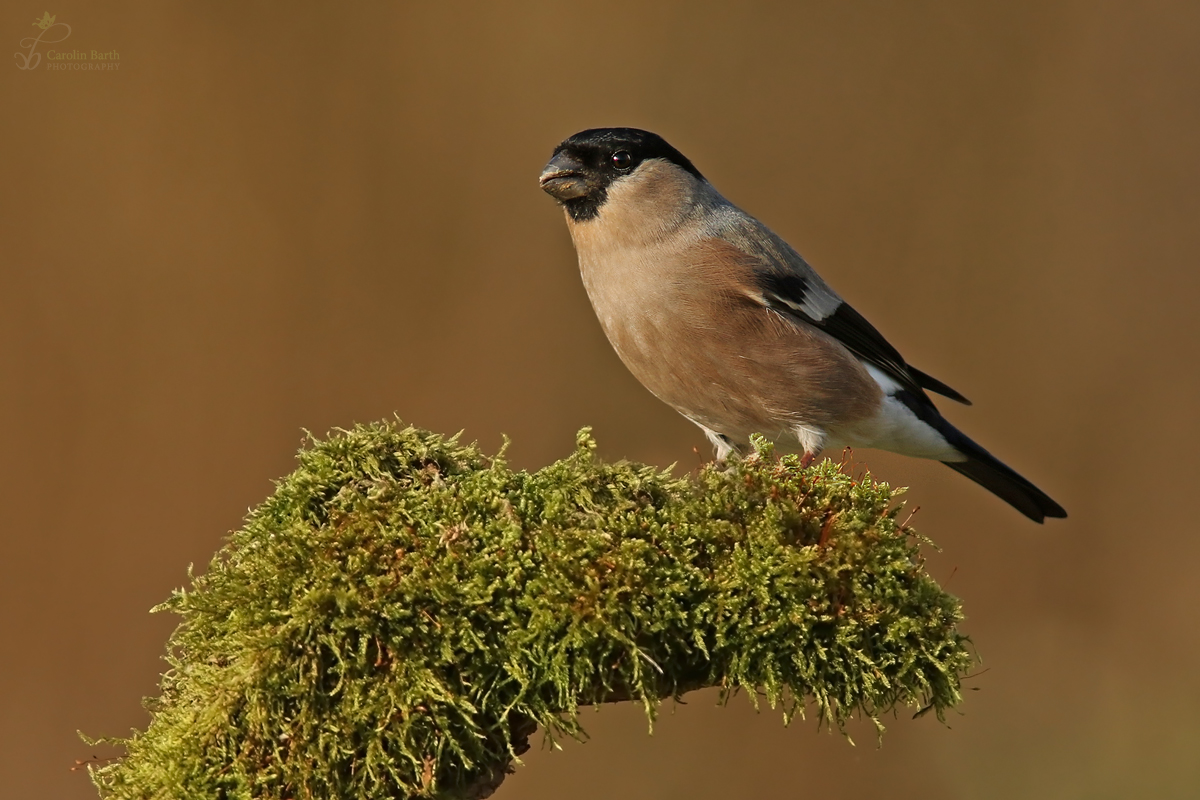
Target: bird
x=722, y=320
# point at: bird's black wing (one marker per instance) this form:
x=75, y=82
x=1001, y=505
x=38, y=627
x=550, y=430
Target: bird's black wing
x=787, y=284
x=937, y=387
x=795, y=295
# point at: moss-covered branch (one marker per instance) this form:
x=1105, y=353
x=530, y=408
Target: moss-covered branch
x=403, y=613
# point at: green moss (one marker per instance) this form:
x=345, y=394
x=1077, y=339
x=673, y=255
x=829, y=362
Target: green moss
x=404, y=612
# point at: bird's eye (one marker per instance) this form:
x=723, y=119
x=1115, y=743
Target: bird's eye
x=622, y=159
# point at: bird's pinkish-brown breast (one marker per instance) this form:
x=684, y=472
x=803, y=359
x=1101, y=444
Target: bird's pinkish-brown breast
x=677, y=306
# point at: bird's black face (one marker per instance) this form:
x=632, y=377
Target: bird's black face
x=587, y=164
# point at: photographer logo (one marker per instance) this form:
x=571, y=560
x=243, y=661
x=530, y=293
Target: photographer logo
x=52, y=32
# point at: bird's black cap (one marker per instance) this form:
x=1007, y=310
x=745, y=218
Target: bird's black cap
x=641, y=145
x=585, y=165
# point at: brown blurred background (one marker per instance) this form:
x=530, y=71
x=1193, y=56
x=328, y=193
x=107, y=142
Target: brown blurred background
x=288, y=217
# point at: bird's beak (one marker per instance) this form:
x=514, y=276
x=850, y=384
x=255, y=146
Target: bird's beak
x=563, y=178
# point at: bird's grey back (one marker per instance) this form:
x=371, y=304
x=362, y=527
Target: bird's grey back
x=776, y=261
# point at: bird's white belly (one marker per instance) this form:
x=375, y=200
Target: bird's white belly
x=894, y=428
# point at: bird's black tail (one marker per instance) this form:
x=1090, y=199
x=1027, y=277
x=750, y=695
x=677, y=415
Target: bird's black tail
x=1004, y=482
x=984, y=468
